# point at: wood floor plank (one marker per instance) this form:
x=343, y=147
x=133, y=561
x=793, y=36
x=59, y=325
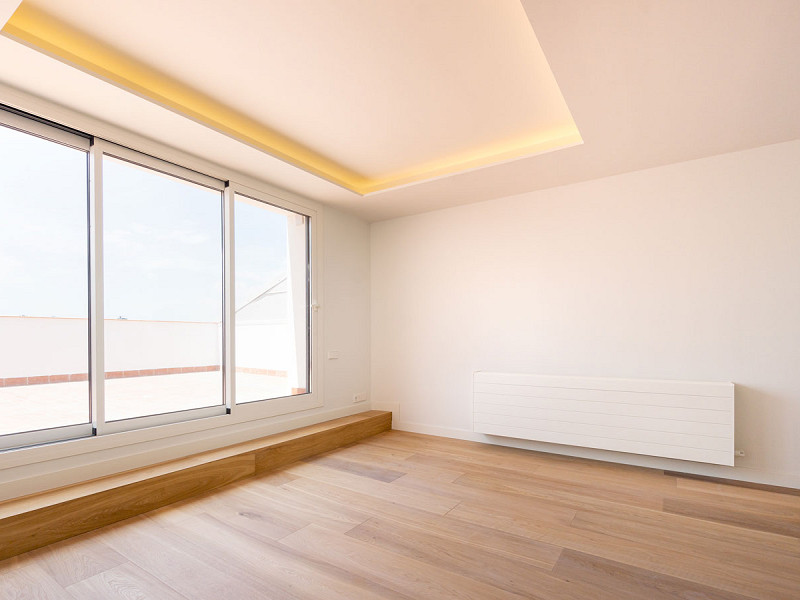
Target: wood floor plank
x=502, y=457
x=371, y=455
x=699, y=540
x=248, y=512
x=286, y=569
x=619, y=488
x=536, y=553
x=415, y=578
x=734, y=491
x=488, y=566
x=447, y=461
x=525, y=506
x=649, y=556
x=331, y=515
x=69, y=563
x=124, y=582
x=377, y=454
x=632, y=583
x=662, y=524
x=480, y=563
x=732, y=516
x=554, y=495
x=189, y=570
x=276, y=478
x=628, y=496
x=740, y=484
x=356, y=468
x=636, y=481
x=785, y=511
x=30, y=582
x=666, y=521
x=509, y=459
x=409, y=497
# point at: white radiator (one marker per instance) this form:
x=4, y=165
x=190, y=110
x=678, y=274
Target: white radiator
x=688, y=420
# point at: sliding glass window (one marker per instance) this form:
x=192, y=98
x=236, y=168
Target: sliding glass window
x=135, y=292
x=272, y=308
x=44, y=298
x=162, y=247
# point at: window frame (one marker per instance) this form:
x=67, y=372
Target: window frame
x=57, y=135
x=14, y=119
x=171, y=430
x=272, y=407
x=101, y=148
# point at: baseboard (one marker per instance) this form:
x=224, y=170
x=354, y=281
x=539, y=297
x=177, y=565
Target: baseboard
x=41, y=519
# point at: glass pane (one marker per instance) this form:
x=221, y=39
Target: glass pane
x=162, y=245
x=44, y=354
x=271, y=254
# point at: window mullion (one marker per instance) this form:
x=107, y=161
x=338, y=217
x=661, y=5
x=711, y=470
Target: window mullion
x=229, y=304
x=96, y=324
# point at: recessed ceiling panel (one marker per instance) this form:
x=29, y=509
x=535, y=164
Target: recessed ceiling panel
x=369, y=95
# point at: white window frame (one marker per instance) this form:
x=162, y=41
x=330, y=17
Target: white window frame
x=101, y=148
x=72, y=140
x=270, y=407
x=185, y=436
x=45, y=131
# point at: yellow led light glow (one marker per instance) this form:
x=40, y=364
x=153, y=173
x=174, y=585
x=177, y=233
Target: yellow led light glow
x=40, y=31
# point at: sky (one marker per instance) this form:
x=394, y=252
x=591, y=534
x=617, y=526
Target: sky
x=43, y=256
x=162, y=238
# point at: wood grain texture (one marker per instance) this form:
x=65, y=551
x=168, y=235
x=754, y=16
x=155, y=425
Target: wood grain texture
x=414, y=578
x=737, y=484
x=715, y=510
x=349, y=431
x=357, y=468
x=631, y=583
x=505, y=572
x=291, y=572
x=30, y=583
x=75, y=562
x=402, y=516
x=124, y=582
x=49, y=524
x=35, y=521
x=501, y=542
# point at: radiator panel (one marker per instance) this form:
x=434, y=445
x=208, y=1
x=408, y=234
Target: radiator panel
x=686, y=420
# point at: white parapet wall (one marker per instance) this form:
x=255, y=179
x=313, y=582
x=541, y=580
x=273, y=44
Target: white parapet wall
x=264, y=346
x=35, y=346
x=161, y=344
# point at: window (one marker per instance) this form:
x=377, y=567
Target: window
x=162, y=277
x=272, y=332
x=44, y=300
x=136, y=292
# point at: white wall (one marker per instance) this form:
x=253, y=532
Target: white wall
x=346, y=308
x=690, y=271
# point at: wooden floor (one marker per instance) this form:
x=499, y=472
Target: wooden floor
x=401, y=515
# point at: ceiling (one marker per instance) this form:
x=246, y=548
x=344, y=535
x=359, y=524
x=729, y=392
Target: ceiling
x=393, y=108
